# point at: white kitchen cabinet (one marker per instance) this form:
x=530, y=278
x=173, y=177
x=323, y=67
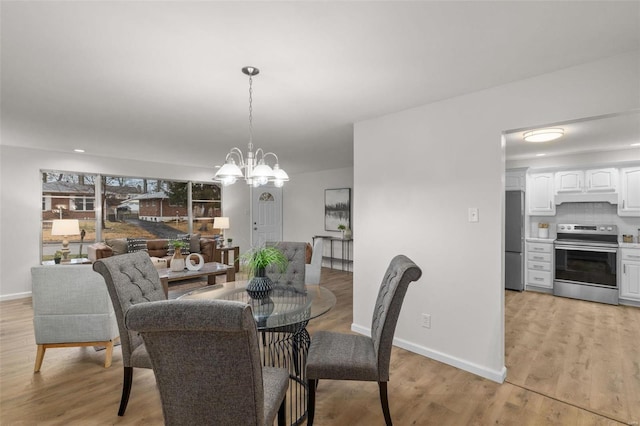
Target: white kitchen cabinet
x=601, y=180
x=540, y=194
x=629, y=195
x=514, y=180
x=540, y=264
x=569, y=181
x=630, y=270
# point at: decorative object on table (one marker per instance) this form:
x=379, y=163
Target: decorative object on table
x=221, y=223
x=337, y=208
x=229, y=241
x=256, y=261
x=256, y=171
x=194, y=266
x=65, y=227
x=57, y=256
x=177, y=261
x=543, y=230
x=342, y=228
x=348, y=233
x=627, y=238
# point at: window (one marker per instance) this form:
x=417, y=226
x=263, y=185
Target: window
x=132, y=207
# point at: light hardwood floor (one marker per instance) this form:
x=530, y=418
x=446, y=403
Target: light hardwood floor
x=569, y=363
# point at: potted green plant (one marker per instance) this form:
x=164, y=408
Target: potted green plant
x=256, y=262
x=57, y=256
x=342, y=228
x=177, y=261
x=229, y=241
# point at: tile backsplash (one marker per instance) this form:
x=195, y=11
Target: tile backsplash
x=588, y=213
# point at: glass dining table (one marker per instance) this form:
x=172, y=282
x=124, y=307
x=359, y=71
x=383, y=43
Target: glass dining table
x=281, y=318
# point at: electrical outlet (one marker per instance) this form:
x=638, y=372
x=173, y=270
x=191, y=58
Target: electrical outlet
x=426, y=320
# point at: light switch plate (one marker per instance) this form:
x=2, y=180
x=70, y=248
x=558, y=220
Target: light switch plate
x=473, y=214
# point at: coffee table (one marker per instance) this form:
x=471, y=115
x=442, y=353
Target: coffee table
x=210, y=270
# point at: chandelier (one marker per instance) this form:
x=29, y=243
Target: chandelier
x=256, y=170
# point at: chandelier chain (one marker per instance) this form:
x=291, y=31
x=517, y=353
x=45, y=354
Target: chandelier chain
x=250, y=112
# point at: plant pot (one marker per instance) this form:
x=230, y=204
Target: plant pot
x=56, y=260
x=177, y=261
x=259, y=286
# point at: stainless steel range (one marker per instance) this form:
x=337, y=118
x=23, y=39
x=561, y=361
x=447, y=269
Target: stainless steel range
x=586, y=262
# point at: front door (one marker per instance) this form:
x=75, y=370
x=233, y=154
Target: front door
x=266, y=214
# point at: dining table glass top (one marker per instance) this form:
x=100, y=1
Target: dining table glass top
x=283, y=306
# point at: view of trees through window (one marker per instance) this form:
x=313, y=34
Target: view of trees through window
x=131, y=207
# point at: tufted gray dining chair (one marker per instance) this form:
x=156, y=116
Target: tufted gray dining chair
x=296, y=253
x=131, y=279
x=206, y=359
x=341, y=356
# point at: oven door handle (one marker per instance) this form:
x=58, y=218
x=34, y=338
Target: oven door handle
x=583, y=248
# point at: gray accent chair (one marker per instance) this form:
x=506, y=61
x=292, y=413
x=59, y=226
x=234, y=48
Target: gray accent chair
x=131, y=279
x=71, y=307
x=313, y=269
x=206, y=359
x=341, y=356
x=296, y=253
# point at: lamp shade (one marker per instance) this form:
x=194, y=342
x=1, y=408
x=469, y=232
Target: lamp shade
x=65, y=227
x=221, y=222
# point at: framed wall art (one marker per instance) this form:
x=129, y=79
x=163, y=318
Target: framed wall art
x=337, y=208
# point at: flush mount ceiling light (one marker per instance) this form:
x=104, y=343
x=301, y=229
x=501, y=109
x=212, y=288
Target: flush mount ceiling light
x=256, y=171
x=543, y=135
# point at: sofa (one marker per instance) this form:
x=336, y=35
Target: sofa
x=158, y=249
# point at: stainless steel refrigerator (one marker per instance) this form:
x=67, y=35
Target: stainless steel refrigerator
x=514, y=240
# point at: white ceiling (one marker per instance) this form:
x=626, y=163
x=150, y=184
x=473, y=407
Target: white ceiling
x=162, y=81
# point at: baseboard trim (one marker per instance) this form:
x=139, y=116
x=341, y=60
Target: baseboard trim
x=14, y=296
x=498, y=376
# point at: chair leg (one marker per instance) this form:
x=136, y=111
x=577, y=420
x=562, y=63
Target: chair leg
x=384, y=400
x=282, y=413
x=39, y=358
x=311, y=400
x=108, y=354
x=126, y=389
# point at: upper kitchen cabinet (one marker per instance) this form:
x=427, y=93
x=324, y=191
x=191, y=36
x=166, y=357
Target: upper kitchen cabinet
x=629, y=195
x=540, y=194
x=592, y=180
x=569, y=181
x=514, y=180
x=601, y=180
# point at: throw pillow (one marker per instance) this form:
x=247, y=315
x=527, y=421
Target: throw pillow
x=136, y=244
x=118, y=245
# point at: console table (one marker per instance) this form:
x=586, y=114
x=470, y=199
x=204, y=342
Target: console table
x=346, y=249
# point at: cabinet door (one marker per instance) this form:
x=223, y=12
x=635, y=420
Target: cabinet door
x=629, y=196
x=540, y=194
x=601, y=180
x=514, y=181
x=569, y=181
x=630, y=282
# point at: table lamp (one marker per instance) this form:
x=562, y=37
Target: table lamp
x=65, y=227
x=221, y=223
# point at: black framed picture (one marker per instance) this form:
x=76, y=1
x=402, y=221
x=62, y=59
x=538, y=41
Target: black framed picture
x=337, y=208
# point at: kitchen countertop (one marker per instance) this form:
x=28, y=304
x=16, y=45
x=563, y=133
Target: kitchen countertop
x=628, y=245
x=539, y=240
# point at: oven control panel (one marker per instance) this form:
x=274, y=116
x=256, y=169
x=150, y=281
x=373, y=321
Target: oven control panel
x=587, y=229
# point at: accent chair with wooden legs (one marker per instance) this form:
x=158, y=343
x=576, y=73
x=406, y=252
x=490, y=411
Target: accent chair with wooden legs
x=131, y=279
x=206, y=359
x=71, y=307
x=340, y=356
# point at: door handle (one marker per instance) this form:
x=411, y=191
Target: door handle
x=255, y=229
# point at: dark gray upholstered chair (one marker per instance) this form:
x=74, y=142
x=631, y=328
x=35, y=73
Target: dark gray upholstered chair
x=340, y=356
x=296, y=254
x=131, y=279
x=206, y=359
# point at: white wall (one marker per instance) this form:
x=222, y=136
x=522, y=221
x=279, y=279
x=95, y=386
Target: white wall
x=424, y=168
